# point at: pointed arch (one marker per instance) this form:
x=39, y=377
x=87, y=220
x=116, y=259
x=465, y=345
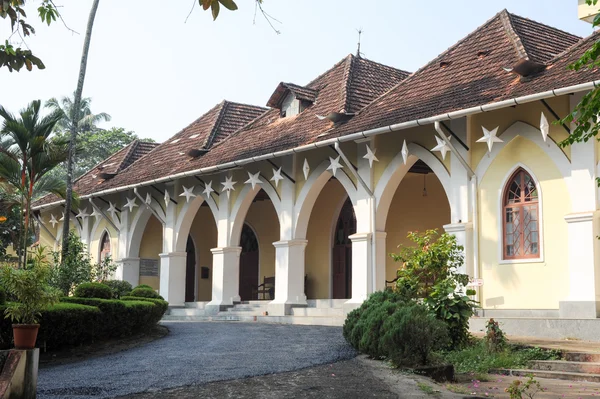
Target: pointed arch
x=310, y=192
x=394, y=173
x=242, y=204
x=186, y=216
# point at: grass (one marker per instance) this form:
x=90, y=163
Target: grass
x=476, y=358
x=456, y=388
x=428, y=389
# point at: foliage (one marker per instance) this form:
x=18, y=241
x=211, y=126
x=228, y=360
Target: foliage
x=518, y=390
x=93, y=290
x=9, y=229
x=429, y=273
x=494, y=338
x=161, y=304
x=2, y=296
x=412, y=333
x=372, y=329
x=30, y=289
x=144, y=286
x=476, y=357
x=74, y=268
x=103, y=270
x=27, y=154
x=145, y=293
x=119, y=288
x=68, y=324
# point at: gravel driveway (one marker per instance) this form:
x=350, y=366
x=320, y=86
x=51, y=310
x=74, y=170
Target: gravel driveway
x=196, y=353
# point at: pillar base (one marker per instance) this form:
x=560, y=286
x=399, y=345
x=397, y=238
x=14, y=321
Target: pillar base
x=226, y=272
x=172, y=277
x=289, y=277
x=578, y=309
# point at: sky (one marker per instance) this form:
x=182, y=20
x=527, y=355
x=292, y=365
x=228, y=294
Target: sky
x=155, y=73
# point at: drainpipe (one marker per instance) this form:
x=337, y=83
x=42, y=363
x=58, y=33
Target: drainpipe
x=473, y=199
x=135, y=191
x=372, y=208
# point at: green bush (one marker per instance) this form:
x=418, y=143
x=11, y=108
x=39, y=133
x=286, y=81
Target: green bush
x=411, y=334
x=372, y=329
x=119, y=288
x=145, y=293
x=2, y=296
x=69, y=324
x=74, y=269
x=144, y=286
x=93, y=290
x=160, y=306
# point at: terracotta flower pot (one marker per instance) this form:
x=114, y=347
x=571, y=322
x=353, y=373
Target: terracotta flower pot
x=25, y=335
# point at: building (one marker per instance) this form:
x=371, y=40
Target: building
x=318, y=188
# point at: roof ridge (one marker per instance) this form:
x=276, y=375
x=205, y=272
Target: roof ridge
x=573, y=47
x=326, y=72
x=213, y=132
x=513, y=15
x=382, y=64
x=134, y=145
x=513, y=35
x=410, y=77
x=347, y=78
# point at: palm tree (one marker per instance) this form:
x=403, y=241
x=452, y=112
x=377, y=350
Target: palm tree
x=27, y=154
x=87, y=119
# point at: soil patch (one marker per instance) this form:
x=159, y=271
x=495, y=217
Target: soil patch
x=100, y=348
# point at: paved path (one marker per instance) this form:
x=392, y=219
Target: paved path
x=195, y=353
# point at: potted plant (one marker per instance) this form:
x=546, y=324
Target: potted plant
x=31, y=294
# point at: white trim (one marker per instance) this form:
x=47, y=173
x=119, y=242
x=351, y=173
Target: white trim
x=394, y=173
x=186, y=216
x=539, y=259
x=136, y=232
x=310, y=193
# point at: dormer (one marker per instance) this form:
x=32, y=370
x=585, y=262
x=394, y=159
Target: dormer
x=291, y=99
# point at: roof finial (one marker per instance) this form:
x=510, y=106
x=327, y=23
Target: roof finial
x=360, y=31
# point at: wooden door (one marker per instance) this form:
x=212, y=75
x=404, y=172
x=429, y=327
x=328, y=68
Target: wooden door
x=342, y=252
x=248, y=263
x=190, y=271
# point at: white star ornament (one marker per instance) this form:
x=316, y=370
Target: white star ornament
x=489, y=137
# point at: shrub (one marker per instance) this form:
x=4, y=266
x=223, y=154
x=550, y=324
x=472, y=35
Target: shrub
x=494, y=338
x=145, y=293
x=2, y=296
x=430, y=273
x=69, y=324
x=119, y=288
x=144, y=286
x=102, y=270
x=160, y=306
x=411, y=334
x=74, y=269
x=372, y=329
x=93, y=290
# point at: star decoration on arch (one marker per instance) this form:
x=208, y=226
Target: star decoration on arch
x=96, y=214
x=544, y=127
x=371, y=156
x=404, y=152
x=167, y=197
x=253, y=179
x=112, y=209
x=489, y=137
x=334, y=164
x=276, y=176
x=148, y=199
x=208, y=189
x=306, y=169
x=130, y=204
x=228, y=185
x=188, y=193
x=53, y=220
x=441, y=146
x=82, y=213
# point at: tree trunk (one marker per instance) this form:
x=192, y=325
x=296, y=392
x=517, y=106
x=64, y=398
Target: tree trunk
x=74, y=125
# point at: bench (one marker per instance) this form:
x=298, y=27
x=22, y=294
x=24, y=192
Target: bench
x=267, y=287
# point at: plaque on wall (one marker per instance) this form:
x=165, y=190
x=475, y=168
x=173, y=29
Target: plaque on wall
x=149, y=267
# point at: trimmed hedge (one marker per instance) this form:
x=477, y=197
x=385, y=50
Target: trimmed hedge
x=93, y=290
x=160, y=306
x=144, y=286
x=119, y=288
x=145, y=293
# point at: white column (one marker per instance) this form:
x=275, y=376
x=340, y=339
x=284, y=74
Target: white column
x=172, y=277
x=464, y=237
x=381, y=260
x=289, y=276
x=128, y=269
x=361, y=269
x=226, y=278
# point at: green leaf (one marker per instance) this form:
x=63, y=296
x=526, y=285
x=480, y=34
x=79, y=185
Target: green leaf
x=229, y=4
x=215, y=9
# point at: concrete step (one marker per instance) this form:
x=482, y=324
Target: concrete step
x=582, y=357
x=318, y=312
x=248, y=307
x=243, y=313
x=185, y=312
x=196, y=305
x=557, y=375
x=326, y=303
x=561, y=365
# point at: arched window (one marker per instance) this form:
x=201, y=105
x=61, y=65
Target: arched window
x=104, y=246
x=521, y=217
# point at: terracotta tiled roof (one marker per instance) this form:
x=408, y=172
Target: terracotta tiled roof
x=300, y=92
x=472, y=73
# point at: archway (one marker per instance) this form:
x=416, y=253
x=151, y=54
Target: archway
x=105, y=250
x=341, y=270
x=249, y=262
x=190, y=271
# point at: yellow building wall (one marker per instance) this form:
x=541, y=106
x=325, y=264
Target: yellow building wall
x=263, y=220
x=204, y=234
x=94, y=246
x=320, y=231
x=150, y=248
x=411, y=211
x=524, y=285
